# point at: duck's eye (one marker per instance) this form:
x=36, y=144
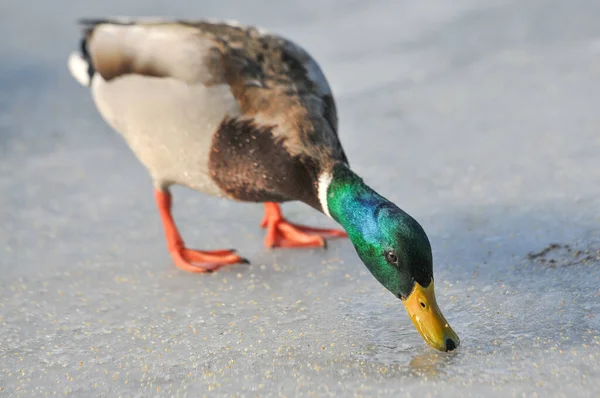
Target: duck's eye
x=391, y=257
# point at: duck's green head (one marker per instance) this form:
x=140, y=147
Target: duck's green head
x=395, y=249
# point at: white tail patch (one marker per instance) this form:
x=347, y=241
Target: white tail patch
x=323, y=187
x=79, y=68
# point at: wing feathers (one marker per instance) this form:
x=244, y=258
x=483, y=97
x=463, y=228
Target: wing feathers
x=151, y=49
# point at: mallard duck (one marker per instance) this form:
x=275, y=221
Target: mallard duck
x=239, y=113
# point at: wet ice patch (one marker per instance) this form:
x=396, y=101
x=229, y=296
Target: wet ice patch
x=564, y=255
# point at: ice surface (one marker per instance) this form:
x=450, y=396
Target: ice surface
x=482, y=122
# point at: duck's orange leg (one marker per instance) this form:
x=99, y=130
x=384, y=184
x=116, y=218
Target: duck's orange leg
x=188, y=259
x=282, y=233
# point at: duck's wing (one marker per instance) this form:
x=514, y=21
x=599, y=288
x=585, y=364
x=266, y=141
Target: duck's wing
x=155, y=48
x=273, y=80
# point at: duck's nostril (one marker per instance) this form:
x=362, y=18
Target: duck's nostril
x=450, y=345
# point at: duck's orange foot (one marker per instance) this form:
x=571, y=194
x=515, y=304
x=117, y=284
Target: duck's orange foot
x=281, y=233
x=187, y=259
x=204, y=261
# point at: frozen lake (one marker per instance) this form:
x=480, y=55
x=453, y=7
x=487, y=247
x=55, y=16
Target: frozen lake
x=478, y=118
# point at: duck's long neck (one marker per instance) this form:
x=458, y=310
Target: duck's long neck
x=348, y=200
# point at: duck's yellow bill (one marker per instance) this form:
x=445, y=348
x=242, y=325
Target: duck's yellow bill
x=428, y=319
